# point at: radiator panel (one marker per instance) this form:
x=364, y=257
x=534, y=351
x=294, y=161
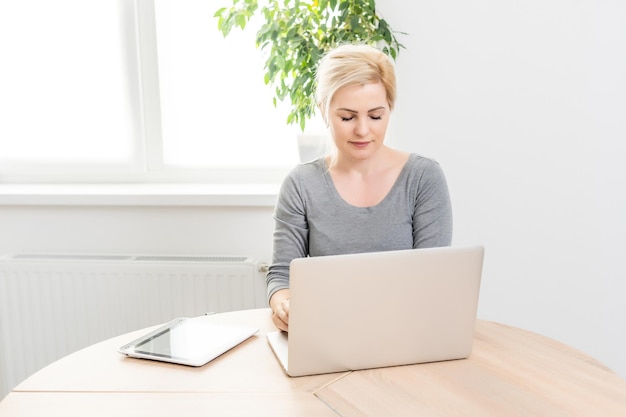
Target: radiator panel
x=51, y=306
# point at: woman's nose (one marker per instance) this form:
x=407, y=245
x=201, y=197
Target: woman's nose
x=362, y=127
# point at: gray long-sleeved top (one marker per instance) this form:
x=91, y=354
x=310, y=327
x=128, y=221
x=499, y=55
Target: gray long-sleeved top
x=312, y=219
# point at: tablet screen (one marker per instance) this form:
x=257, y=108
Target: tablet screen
x=193, y=341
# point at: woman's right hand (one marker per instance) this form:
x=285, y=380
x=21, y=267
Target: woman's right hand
x=279, y=303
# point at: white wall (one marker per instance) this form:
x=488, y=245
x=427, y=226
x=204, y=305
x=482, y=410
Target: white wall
x=143, y=229
x=524, y=105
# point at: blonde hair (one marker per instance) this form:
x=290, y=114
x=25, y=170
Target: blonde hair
x=349, y=65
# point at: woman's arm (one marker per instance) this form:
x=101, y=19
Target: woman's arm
x=432, y=215
x=279, y=303
x=290, y=242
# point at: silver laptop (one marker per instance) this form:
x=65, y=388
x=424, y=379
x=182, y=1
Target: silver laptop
x=371, y=310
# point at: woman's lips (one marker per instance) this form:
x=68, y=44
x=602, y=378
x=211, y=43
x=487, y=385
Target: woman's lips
x=360, y=144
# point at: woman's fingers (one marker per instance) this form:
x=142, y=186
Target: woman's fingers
x=280, y=323
x=280, y=317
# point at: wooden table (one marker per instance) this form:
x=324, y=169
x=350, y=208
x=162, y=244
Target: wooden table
x=511, y=372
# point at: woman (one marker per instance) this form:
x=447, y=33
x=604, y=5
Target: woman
x=366, y=196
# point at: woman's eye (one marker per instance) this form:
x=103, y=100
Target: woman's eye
x=346, y=119
x=376, y=117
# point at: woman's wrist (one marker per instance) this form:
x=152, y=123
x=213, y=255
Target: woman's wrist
x=277, y=298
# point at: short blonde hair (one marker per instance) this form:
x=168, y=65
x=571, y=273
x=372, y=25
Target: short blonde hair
x=349, y=65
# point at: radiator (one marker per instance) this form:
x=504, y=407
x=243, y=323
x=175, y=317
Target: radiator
x=54, y=304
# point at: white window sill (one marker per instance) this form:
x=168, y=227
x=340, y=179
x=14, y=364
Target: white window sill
x=138, y=195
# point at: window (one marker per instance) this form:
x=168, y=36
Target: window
x=145, y=90
x=67, y=94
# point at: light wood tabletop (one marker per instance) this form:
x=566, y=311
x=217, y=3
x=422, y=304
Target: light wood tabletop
x=511, y=372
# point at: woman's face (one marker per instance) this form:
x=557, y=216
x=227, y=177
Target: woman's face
x=358, y=118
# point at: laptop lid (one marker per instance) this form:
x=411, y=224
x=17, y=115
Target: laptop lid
x=377, y=309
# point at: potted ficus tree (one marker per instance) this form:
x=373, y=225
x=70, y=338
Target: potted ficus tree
x=295, y=34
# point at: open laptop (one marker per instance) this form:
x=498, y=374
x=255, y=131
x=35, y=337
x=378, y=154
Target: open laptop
x=371, y=310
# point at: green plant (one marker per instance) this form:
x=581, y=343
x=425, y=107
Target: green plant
x=298, y=33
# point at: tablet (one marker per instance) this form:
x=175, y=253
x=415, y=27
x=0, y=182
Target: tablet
x=188, y=341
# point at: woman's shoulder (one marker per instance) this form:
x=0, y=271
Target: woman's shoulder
x=423, y=170
x=418, y=163
x=421, y=160
x=305, y=173
x=308, y=169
